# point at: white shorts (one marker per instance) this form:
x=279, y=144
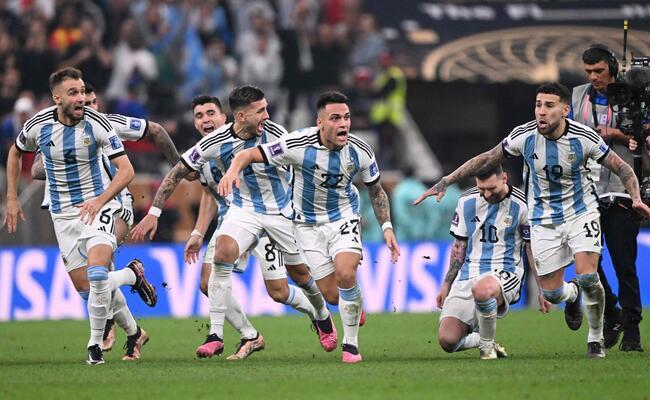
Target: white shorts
x=265, y=251
x=247, y=227
x=75, y=237
x=460, y=303
x=321, y=243
x=554, y=245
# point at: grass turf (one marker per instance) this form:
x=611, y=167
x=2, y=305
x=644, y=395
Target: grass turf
x=401, y=360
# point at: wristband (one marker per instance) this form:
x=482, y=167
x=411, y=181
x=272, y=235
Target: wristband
x=386, y=225
x=155, y=211
x=196, y=232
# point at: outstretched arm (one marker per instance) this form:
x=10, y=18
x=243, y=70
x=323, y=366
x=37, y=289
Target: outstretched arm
x=149, y=224
x=242, y=160
x=381, y=207
x=13, y=210
x=456, y=260
x=162, y=140
x=631, y=183
x=475, y=166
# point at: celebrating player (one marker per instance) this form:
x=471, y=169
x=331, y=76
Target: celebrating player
x=325, y=159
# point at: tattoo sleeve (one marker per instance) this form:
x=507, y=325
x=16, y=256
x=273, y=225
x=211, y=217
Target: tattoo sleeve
x=169, y=184
x=477, y=165
x=38, y=169
x=380, y=203
x=458, y=251
x=162, y=140
x=625, y=172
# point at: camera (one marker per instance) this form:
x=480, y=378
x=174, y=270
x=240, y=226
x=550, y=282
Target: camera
x=631, y=97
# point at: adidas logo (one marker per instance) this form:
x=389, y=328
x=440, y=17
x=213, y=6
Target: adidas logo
x=476, y=219
x=316, y=166
x=51, y=143
x=271, y=268
x=535, y=156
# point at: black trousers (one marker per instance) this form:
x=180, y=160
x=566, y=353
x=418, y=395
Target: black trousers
x=620, y=229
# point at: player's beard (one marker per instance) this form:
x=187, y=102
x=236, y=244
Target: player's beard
x=550, y=128
x=69, y=112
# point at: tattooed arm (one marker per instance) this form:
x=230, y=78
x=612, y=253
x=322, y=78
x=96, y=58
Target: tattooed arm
x=381, y=207
x=38, y=168
x=456, y=260
x=149, y=224
x=475, y=166
x=162, y=140
x=631, y=183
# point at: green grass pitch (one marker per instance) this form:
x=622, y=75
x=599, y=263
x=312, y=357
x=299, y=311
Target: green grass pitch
x=402, y=360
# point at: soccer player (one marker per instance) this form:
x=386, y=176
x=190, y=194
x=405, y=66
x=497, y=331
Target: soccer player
x=73, y=139
x=262, y=205
x=326, y=159
x=208, y=117
x=127, y=129
x=489, y=227
x=562, y=202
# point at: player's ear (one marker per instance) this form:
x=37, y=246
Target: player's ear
x=565, y=110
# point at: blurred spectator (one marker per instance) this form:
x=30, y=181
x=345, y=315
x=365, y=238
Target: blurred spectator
x=242, y=11
x=361, y=98
x=211, y=21
x=261, y=24
x=89, y=55
x=37, y=61
x=217, y=73
x=117, y=11
x=9, y=87
x=329, y=58
x=8, y=56
x=134, y=64
x=23, y=109
x=66, y=31
x=387, y=113
x=368, y=43
x=262, y=67
x=8, y=20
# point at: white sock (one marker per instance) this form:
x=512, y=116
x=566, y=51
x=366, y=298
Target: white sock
x=237, y=318
x=299, y=302
x=350, y=310
x=593, y=297
x=471, y=341
x=99, y=300
x=122, y=314
x=316, y=299
x=219, y=289
x=120, y=278
x=487, y=322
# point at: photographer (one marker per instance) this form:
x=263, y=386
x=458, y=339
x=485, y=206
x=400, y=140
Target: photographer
x=619, y=223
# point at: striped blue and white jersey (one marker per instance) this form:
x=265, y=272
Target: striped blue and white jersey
x=127, y=129
x=557, y=174
x=264, y=189
x=209, y=176
x=72, y=155
x=322, y=187
x=494, y=232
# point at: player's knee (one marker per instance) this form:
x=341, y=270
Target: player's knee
x=447, y=342
x=346, y=278
x=554, y=296
x=482, y=292
x=299, y=274
x=279, y=294
x=587, y=280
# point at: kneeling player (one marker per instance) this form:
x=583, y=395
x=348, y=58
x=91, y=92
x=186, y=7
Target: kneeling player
x=489, y=226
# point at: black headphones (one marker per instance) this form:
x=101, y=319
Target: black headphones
x=612, y=62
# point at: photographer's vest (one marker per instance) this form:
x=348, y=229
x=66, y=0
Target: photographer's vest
x=390, y=108
x=591, y=109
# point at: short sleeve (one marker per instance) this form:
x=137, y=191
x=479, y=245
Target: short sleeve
x=513, y=144
x=208, y=148
x=127, y=128
x=367, y=163
x=284, y=150
x=458, y=226
x=598, y=151
x=112, y=145
x=26, y=140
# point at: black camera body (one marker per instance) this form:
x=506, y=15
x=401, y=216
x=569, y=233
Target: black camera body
x=631, y=97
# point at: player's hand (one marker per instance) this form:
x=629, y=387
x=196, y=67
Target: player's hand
x=192, y=249
x=226, y=182
x=632, y=144
x=640, y=207
x=145, y=228
x=442, y=295
x=88, y=210
x=437, y=190
x=192, y=176
x=11, y=215
x=391, y=242
x=544, y=305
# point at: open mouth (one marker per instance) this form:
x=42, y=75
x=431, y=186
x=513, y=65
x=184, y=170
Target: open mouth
x=79, y=108
x=342, y=134
x=208, y=128
x=542, y=124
